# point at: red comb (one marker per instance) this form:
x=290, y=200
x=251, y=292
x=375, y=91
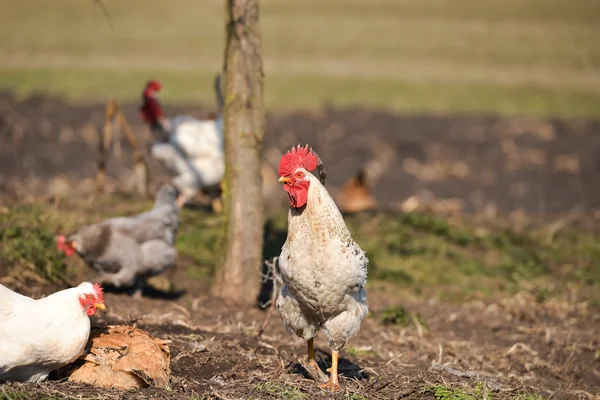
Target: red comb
x=60, y=242
x=297, y=157
x=151, y=87
x=99, y=294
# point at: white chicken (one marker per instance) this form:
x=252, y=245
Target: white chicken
x=39, y=336
x=190, y=149
x=323, y=270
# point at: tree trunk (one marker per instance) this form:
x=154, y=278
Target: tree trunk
x=238, y=276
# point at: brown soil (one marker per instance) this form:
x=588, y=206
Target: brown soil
x=516, y=346
x=496, y=164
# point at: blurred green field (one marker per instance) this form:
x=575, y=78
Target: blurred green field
x=533, y=57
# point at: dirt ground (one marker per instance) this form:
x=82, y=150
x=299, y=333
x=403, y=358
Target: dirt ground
x=512, y=348
x=487, y=164
x=516, y=348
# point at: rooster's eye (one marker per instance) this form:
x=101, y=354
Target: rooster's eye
x=299, y=174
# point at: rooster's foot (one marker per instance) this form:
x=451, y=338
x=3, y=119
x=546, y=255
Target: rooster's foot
x=333, y=385
x=312, y=369
x=316, y=371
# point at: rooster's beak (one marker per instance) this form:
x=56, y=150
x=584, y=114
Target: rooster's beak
x=100, y=306
x=284, y=179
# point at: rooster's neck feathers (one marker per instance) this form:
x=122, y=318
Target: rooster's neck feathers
x=320, y=215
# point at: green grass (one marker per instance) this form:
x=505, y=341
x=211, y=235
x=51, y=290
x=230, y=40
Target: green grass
x=198, y=239
x=423, y=255
x=27, y=243
x=474, y=392
x=397, y=315
x=360, y=352
x=281, y=391
x=508, y=57
x=442, y=392
x=460, y=260
x=8, y=394
x=528, y=396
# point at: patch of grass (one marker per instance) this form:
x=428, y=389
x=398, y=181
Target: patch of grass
x=360, y=352
x=281, y=391
x=397, y=315
x=312, y=91
x=197, y=238
x=506, y=57
x=354, y=396
x=461, y=259
x=27, y=242
x=529, y=396
x=442, y=392
x=12, y=395
x=9, y=394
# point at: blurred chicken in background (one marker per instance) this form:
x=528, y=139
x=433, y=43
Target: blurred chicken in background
x=128, y=250
x=356, y=194
x=190, y=149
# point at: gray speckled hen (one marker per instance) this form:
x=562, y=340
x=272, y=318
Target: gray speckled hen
x=128, y=250
x=323, y=269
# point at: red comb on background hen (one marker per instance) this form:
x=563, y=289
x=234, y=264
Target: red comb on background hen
x=151, y=110
x=65, y=246
x=297, y=157
x=152, y=87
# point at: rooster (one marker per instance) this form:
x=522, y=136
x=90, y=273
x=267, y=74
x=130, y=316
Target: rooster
x=39, y=336
x=323, y=270
x=127, y=250
x=190, y=149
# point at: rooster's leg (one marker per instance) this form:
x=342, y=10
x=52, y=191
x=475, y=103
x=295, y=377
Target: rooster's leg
x=333, y=384
x=181, y=200
x=311, y=354
x=310, y=364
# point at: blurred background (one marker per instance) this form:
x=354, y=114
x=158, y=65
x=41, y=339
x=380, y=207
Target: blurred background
x=490, y=103
x=527, y=57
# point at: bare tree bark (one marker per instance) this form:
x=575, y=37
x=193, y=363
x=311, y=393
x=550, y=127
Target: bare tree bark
x=238, y=276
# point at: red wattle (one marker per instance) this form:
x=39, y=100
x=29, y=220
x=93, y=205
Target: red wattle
x=298, y=194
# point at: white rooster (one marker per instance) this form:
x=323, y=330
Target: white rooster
x=190, y=149
x=323, y=270
x=39, y=336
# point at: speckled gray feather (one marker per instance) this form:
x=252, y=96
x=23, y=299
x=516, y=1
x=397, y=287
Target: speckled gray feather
x=128, y=248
